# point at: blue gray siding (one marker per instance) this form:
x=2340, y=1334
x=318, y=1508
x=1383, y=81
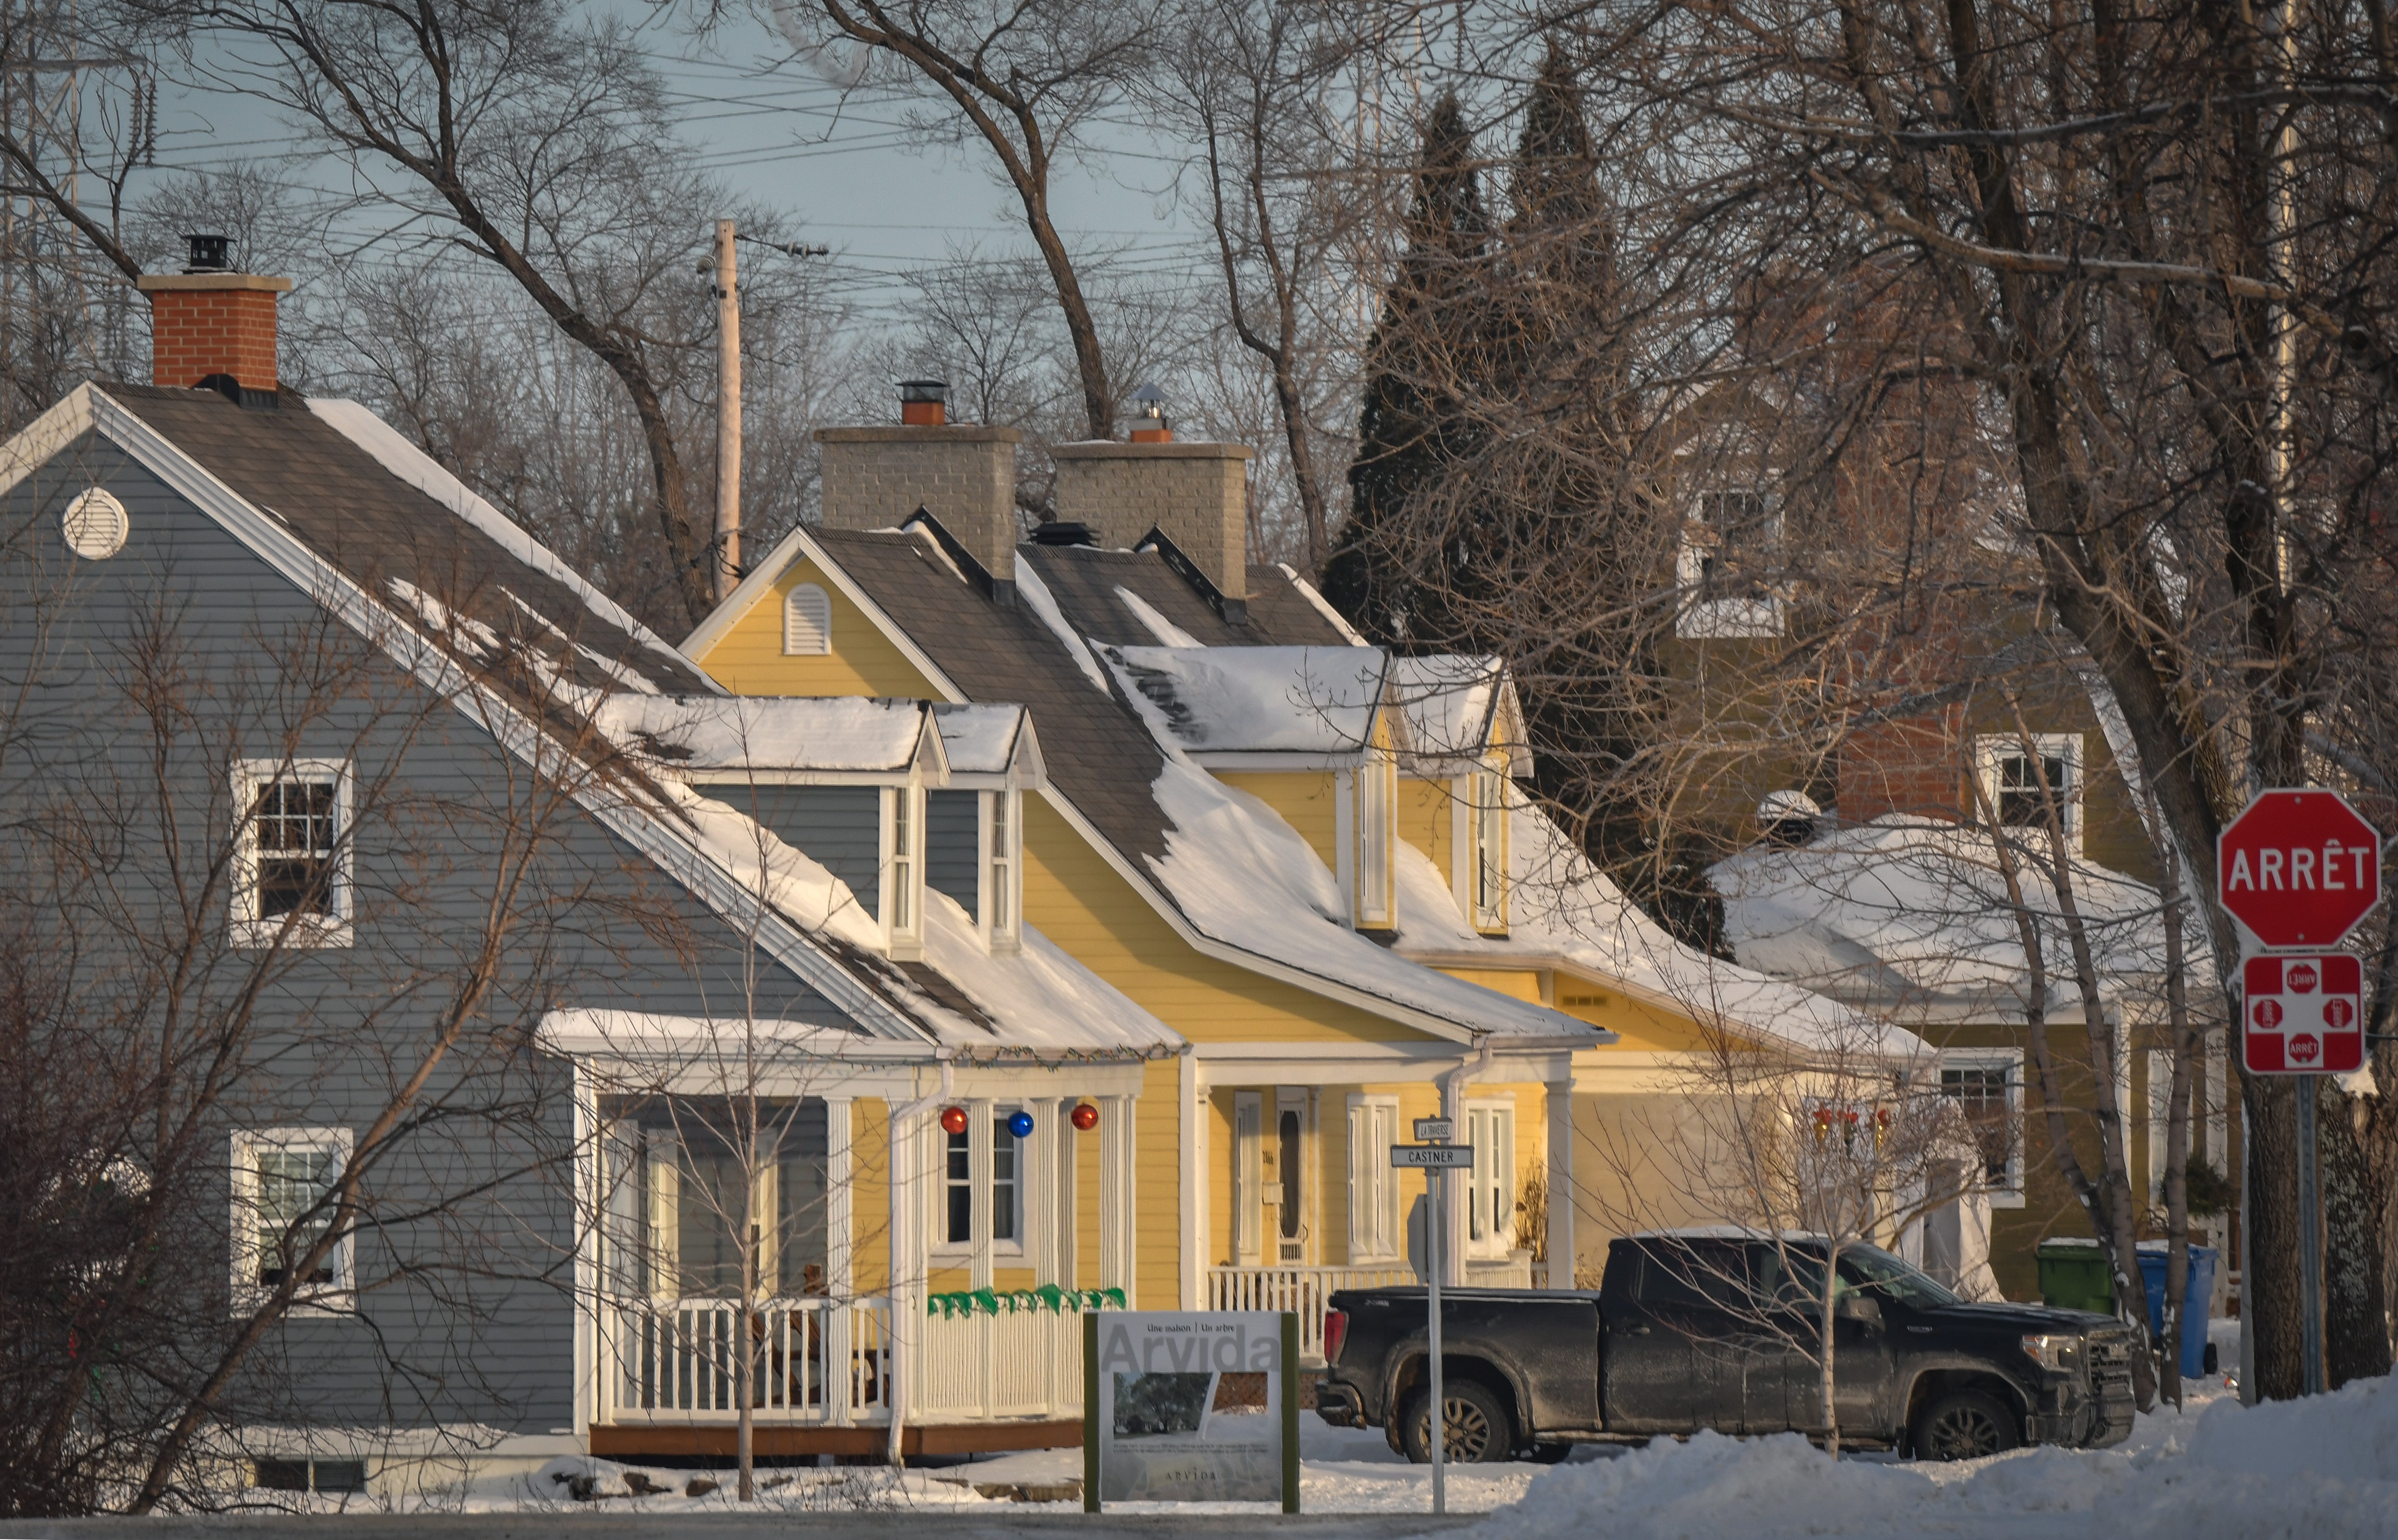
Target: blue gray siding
x=465, y=1315
x=839, y=828
x=953, y=830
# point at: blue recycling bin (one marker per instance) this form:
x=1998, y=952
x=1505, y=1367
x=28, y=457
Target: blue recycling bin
x=2197, y=1299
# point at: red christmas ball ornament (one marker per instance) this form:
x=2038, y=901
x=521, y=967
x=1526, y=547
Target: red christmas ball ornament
x=1084, y=1117
x=953, y=1119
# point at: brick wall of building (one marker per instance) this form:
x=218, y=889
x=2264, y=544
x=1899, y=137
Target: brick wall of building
x=1197, y=493
x=213, y=323
x=874, y=479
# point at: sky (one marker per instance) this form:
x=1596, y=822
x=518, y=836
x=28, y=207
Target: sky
x=843, y=171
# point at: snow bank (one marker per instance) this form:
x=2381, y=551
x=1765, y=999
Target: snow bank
x=2321, y=1469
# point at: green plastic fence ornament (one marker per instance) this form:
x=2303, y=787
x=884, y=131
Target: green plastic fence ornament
x=1048, y=1297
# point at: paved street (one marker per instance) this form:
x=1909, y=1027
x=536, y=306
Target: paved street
x=902, y=1525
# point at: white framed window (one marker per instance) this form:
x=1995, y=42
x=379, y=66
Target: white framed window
x=983, y=1161
x=903, y=871
x=1491, y=1189
x=282, y=1187
x=1732, y=550
x=1377, y=1229
x=807, y=621
x=1987, y=1084
x=1249, y=1175
x=292, y=873
x=1003, y=893
x=1486, y=823
x=1376, y=783
x=2021, y=777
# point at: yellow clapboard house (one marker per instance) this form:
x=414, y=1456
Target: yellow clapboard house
x=1304, y=854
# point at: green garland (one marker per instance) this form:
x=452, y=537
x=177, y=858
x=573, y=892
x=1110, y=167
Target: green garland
x=1049, y=1297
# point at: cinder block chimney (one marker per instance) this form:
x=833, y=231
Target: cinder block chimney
x=1195, y=494
x=877, y=479
x=211, y=327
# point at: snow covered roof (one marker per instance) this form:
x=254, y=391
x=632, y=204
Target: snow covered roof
x=1455, y=706
x=479, y=611
x=1561, y=908
x=832, y=734
x=1245, y=876
x=1288, y=700
x=1914, y=913
x=1225, y=869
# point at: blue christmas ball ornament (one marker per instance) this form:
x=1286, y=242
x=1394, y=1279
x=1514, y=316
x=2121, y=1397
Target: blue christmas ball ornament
x=1019, y=1123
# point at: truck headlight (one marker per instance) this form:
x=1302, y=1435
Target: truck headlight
x=2052, y=1352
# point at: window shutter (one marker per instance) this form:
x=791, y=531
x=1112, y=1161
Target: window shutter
x=807, y=621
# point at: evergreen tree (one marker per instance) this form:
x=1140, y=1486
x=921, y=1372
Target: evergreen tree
x=1426, y=353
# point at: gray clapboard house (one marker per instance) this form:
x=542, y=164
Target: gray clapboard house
x=468, y=920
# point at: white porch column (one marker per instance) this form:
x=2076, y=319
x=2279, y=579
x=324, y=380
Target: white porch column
x=1558, y=1110
x=1038, y=1181
x=1453, y=1186
x=978, y=1114
x=912, y=1173
x=1119, y=1184
x=839, y=1269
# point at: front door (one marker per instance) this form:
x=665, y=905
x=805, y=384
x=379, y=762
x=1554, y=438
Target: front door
x=1287, y=1187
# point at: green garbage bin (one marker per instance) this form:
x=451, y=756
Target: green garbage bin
x=2073, y=1276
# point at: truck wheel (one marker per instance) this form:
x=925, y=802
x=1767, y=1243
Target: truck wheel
x=1477, y=1425
x=1964, y=1424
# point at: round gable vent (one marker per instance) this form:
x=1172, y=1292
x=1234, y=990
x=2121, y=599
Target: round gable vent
x=94, y=524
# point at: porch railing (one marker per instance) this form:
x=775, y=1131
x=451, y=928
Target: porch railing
x=1303, y=1290
x=815, y=1360
x=1013, y=1357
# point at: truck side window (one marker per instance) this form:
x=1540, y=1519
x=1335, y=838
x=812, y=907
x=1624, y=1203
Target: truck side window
x=1693, y=1277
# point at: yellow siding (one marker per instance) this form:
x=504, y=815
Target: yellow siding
x=1428, y=822
x=1157, y=1211
x=748, y=659
x=869, y=1195
x=1522, y=984
x=1308, y=801
x=1078, y=901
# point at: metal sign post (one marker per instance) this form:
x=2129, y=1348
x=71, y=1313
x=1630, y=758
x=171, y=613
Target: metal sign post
x=1436, y=1161
x=2299, y=868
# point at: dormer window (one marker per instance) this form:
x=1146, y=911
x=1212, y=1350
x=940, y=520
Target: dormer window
x=903, y=871
x=807, y=621
x=1377, y=826
x=1003, y=896
x=2024, y=780
x=1486, y=878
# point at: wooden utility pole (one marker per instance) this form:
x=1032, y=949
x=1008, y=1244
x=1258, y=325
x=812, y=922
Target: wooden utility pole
x=727, y=566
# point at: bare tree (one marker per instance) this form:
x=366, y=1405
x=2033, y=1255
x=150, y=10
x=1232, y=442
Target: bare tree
x=1028, y=80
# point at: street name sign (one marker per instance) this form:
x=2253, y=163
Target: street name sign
x=1432, y=1157
x=2305, y=1014
x=1436, y=1129
x=2298, y=867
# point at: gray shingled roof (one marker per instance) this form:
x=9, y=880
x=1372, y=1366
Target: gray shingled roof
x=346, y=507
x=1098, y=753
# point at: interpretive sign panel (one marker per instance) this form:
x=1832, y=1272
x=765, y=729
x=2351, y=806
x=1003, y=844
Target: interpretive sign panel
x=1190, y=1406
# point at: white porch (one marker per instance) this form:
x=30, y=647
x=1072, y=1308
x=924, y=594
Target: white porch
x=916, y=1284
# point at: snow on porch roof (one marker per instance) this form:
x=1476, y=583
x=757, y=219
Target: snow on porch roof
x=833, y=734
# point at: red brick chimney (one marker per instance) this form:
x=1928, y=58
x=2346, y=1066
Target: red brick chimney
x=209, y=325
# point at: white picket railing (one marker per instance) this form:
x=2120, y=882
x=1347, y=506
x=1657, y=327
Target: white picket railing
x=1303, y=1290
x=1026, y=1362
x=815, y=1360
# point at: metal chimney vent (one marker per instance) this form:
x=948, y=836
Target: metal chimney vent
x=209, y=254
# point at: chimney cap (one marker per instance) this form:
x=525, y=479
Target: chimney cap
x=925, y=390
x=208, y=253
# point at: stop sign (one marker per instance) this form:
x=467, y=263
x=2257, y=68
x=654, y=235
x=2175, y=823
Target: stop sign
x=2298, y=868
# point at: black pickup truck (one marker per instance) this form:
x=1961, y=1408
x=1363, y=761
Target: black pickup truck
x=1709, y=1328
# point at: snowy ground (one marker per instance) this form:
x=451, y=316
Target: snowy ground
x=2325, y=1469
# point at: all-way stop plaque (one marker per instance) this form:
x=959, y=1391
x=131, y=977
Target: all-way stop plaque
x=2303, y=1015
